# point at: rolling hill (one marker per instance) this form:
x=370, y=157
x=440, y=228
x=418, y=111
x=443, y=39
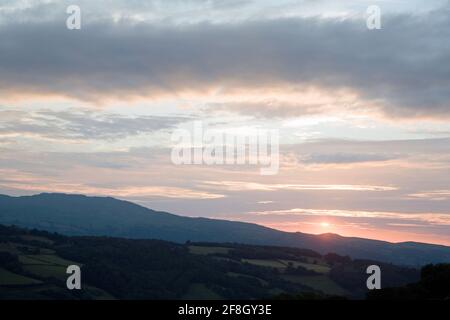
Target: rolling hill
x=33, y=266
x=78, y=215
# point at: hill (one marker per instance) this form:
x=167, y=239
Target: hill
x=434, y=284
x=33, y=265
x=79, y=215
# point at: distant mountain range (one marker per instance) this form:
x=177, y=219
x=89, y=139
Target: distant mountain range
x=79, y=215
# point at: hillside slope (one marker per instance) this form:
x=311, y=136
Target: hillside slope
x=79, y=215
x=33, y=266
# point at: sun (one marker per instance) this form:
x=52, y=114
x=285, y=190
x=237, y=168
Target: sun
x=324, y=224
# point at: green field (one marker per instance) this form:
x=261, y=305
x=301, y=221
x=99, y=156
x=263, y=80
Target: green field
x=30, y=259
x=8, y=278
x=283, y=264
x=266, y=263
x=16, y=248
x=47, y=251
x=309, y=266
x=321, y=283
x=208, y=250
x=236, y=275
x=47, y=271
x=40, y=265
x=97, y=293
x=53, y=260
x=47, y=265
x=198, y=291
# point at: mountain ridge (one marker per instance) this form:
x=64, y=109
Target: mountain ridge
x=82, y=215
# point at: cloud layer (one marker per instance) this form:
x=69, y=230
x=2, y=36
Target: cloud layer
x=402, y=70
x=80, y=125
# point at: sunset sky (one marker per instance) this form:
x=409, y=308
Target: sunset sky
x=363, y=115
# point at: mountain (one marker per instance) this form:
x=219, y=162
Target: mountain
x=79, y=215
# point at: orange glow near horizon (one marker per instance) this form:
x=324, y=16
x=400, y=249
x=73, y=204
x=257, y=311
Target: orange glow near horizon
x=370, y=232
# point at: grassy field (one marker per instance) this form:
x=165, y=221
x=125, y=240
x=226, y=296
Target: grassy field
x=99, y=294
x=40, y=265
x=18, y=249
x=198, y=291
x=309, y=266
x=266, y=263
x=321, y=283
x=8, y=278
x=283, y=264
x=29, y=259
x=46, y=251
x=52, y=260
x=47, y=271
x=236, y=275
x=44, y=264
x=208, y=250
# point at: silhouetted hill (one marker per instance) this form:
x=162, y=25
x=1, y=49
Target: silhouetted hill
x=434, y=284
x=33, y=265
x=79, y=215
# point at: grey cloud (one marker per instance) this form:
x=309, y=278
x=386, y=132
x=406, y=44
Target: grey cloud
x=419, y=146
x=82, y=125
x=343, y=158
x=278, y=109
x=335, y=151
x=403, y=67
x=54, y=164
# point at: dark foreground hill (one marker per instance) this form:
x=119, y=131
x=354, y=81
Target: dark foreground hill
x=94, y=216
x=33, y=266
x=434, y=284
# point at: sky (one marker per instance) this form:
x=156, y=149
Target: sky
x=363, y=115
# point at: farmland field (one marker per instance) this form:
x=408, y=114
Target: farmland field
x=321, y=283
x=198, y=291
x=266, y=263
x=47, y=271
x=8, y=278
x=208, y=250
x=309, y=266
x=53, y=260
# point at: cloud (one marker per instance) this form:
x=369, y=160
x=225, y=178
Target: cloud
x=81, y=125
x=253, y=186
x=25, y=182
x=425, y=153
x=149, y=192
x=401, y=70
x=429, y=218
x=436, y=195
x=344, y=158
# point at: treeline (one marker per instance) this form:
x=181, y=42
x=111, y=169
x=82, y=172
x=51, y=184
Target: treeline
x=261, y=252
x=152, y=269
x=353, y=276
x=434, y=284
